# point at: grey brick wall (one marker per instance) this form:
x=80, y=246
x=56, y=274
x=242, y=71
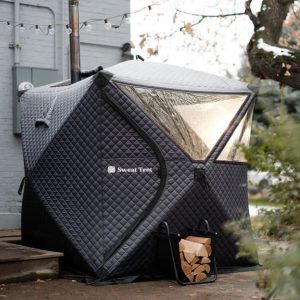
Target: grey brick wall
x=98, y=47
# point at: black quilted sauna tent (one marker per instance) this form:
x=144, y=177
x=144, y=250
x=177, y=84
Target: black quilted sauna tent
x=110, y=157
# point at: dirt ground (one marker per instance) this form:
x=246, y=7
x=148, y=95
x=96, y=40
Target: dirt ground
x=227, y=287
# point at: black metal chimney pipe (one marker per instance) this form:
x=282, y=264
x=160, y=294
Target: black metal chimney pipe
x=74, y=40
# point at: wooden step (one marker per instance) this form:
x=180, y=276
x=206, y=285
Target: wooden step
x=12, y=235
x=22, y=263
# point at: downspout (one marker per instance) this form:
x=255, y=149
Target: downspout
x=62, y=40
x=17, y=45
x=74, y=40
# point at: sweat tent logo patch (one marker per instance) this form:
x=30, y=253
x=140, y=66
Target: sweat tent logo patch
x=111, y=169
x=114, y=169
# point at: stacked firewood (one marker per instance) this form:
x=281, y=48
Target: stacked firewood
x=195, y=255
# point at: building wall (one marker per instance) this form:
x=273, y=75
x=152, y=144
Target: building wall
x=98, y=47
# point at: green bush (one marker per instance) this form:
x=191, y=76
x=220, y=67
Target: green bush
x=276, y=150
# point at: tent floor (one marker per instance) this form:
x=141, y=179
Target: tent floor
x=228, y=286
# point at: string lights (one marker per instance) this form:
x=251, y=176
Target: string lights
x=88, y=26
x=50, y=29
x=127, y=18
x=9, y=26
x=22, y=28
x=107, y=24
x=37, y=29
x=68, y=30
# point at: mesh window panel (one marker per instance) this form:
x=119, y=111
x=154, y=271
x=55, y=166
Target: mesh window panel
x=241, y=137
x=194, y=121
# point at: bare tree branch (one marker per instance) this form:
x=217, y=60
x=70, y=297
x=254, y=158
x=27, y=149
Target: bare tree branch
x=284, y=2
x=193, y=24
x=266, y=58
x=202, y=17
x=210, y=16
x=295, y=13
x=265, y=63
x=250, y=14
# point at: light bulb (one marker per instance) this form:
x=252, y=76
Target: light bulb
x=37, y=30
x=9, y=26
x=68, y=29
x=88, y=26
x=107, y=25
x=22, y=28
x=127, y=19
x=51, y=30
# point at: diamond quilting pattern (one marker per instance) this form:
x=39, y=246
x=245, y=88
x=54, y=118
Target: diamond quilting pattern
x=95, y=209
x=181, y=203
x=170, y=151
x=141, y=236
x=119, y=139
x=229, y=183
x=126, y=196
x=195, y=198
x=68, y=178
x=35, y=104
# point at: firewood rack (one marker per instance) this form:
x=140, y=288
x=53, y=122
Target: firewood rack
x=168, y=252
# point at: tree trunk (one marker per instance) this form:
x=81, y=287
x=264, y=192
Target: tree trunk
x=266, y=61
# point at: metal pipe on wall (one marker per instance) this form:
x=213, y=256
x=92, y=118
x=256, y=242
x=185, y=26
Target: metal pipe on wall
x=62, y=40
x=74, y=40
x=17, y=46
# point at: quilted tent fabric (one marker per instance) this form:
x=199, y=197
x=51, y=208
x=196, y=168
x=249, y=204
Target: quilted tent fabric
x=39, y=101
x=102, y=176
x=173, y=77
